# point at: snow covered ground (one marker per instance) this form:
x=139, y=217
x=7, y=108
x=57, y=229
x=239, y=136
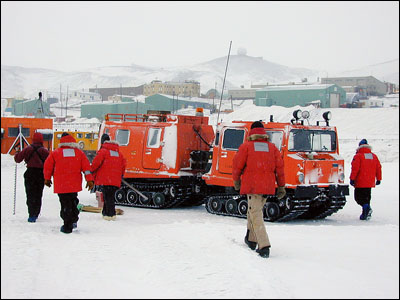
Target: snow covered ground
x=189, y=253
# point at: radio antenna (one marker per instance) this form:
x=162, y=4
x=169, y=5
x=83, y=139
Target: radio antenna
x=223, y=85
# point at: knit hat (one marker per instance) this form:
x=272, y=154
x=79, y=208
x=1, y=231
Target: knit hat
x=363, y=142
x=257, y=124
x=104, y=137
x=67, y=139
x=37, y=138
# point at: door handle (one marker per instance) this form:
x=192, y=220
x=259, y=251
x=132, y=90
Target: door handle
x=224, y=154
x=148, y=151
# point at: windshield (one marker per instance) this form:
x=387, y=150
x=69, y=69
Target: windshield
x=312, y=140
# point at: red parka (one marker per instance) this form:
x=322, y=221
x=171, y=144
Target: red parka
x=108, y=167
x=259, y=163
x=35, y=154
x=66, y=164
x=365, y=168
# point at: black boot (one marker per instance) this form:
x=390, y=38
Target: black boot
x=264, y=252
x=66, y=229
x=252, y=245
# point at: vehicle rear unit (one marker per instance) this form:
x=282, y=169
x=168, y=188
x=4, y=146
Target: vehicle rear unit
x=166, y=155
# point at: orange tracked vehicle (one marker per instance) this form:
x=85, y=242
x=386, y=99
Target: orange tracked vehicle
x=314, y=171
x=166, y=155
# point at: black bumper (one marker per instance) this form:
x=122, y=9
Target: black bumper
x=312, y=191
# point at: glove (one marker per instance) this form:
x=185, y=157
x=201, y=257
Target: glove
x=378, y=182
x=352, y=182
x=236, y=183
x=281, y=192
x=89, y=185
x=47, y=182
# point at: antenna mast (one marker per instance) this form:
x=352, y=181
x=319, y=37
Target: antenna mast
x=223, y=85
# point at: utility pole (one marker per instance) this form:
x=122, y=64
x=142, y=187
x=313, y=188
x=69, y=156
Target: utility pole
x=66, y=104
x=60, y=102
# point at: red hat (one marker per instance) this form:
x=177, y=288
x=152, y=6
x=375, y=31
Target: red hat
x=67, y=139
x=37, y=137
x=257, y=130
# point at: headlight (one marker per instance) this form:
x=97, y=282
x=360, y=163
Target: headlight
x=297, y=114
x=327, y=115
x=300, y=177
x=305, y=114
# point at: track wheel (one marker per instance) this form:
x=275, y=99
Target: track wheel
x=216, y=205
x=231, y=206
x=143, y=200
x=271, y=210
x=131, y=196
x=242, y=207
x=172, y=191
x=120, y=195
x=159, y=199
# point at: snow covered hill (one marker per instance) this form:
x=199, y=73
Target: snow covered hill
x=242, y=70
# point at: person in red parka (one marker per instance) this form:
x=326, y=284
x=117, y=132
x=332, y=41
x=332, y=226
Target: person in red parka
x=257, y=166
x=66, y=164
x=34, y=156
x=108, y=168
x=366, y=172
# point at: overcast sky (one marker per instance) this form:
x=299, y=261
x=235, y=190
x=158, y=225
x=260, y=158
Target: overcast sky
x=71, y=36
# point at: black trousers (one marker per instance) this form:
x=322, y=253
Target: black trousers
x=34, y=184
x=362, y=196
x=69, y=210
x=109, y=200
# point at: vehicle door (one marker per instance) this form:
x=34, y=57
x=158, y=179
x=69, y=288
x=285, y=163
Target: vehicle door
x=152, y=148
x=232, y=138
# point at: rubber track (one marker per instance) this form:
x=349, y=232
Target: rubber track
x=336, y=204
x=298, y=207
x=182, y=194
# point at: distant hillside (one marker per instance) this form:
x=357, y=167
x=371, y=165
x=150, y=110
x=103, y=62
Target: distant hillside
x=242, y=70
x=386, y=71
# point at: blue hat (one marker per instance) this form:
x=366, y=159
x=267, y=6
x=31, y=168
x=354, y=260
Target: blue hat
x=363, y=142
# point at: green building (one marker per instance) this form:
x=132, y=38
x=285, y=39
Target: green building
x=325, y=95
x=99, y=110
x=171, y=103
x=33, y=107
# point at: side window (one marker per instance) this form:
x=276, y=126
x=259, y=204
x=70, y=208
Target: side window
x=79, y=135
x=59, y=135
x=276, y=138
x=96, y=136
x=122, y=137
x=217, y=138
x=13, y=131
x=153, y=138
x=233, y=138
x=88, y=135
